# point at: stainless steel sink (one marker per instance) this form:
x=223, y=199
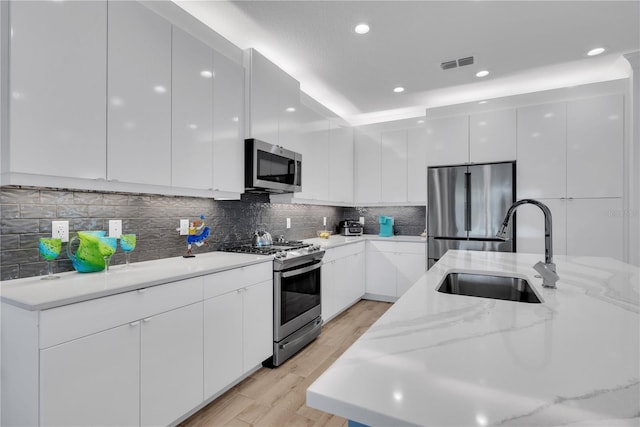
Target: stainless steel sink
x=489, y=286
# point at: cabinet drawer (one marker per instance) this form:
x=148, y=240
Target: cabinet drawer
x=399, y=247
x=69, y=322
x=342, y=251
x=237, y=278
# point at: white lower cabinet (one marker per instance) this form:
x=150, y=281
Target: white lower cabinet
x=92, y=380
x=392, y=267
x=222, y=341
x=238, y=324
x=170, y=365
x=145, y=357
x=342, y=279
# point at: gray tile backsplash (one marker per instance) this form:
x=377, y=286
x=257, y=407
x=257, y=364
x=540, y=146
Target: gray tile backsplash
x=26, y=215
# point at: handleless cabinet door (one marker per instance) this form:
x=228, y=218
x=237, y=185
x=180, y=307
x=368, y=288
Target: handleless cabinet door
x=492, y=136
x=139, y=95
x=367, y=166
x=447, y=140
x=228, y=125
x=417, y=165
x=393, y=166
x=264, y=98
x=541, y=151
x=594, y=147
x=595, y=227
x=191, y=112
x=341, y=164
x=57, y=88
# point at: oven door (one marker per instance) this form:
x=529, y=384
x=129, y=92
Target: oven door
x=296, y=298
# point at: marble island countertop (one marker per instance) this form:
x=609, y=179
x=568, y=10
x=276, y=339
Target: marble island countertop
x=438, y=359
x=35, y=294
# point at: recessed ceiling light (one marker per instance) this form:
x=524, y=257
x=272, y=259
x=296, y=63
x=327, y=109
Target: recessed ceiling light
x=290, y=109
x=398, y=89
x=420, y=121
x=206, y=74
x=596, y=51
x=482, y=73
x=362, y=28
x=160, y=89
x=483, y=102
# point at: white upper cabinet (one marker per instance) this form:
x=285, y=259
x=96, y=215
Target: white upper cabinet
x=417, y=165
x=57, y=90
x=595, y=135
x=341, y=164
x=393, y=166
x=139, y=95
x=367, y=166
x=492, y=136
x=274, y=100
x=288, y=107
x=191, y=112
x=542, y=153
x=447, y=140
x=314, y=147
x=228, y=121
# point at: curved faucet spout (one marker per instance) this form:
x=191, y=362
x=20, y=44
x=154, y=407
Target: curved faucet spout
x=549, y=271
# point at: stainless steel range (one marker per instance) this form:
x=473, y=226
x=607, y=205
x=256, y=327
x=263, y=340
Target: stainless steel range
x=296, y=295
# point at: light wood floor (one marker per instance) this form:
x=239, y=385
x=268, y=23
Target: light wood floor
x=276, y=397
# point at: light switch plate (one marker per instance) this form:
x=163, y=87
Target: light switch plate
x=60, y=230
x=115, y=228
x=288, y=222
x=324, y=221
x=362, y=220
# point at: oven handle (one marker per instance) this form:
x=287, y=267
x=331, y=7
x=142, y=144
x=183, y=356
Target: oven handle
x=317, y=324
x=301, y=270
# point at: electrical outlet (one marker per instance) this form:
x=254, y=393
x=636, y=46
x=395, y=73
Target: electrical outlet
x=184, y=227
x=60, y=230
x=288, y=222
x=115, y=228
x=362, y=220
x=324, y=221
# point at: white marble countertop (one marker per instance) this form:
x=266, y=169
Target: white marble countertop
x=35, y=294
x=450, y=360
x=338, y=240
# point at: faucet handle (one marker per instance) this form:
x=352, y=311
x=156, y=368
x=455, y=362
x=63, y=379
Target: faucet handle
x=548, y=273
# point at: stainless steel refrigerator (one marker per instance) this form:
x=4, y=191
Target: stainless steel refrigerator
x=466, y=205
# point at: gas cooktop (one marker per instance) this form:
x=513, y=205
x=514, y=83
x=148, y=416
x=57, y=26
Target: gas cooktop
x=269, y=249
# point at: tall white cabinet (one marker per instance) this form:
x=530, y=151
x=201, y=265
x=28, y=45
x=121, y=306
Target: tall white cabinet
x=570, y=158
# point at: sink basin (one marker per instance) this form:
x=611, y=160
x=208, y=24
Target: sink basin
x=489, y=286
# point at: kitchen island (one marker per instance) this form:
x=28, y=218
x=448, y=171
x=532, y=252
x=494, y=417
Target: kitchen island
x=439, y=359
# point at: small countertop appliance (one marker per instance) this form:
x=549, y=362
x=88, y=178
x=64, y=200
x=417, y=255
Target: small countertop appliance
x=386, y=226
x=350, y=227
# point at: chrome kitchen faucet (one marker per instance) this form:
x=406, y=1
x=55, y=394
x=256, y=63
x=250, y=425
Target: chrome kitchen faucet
x=547, y=269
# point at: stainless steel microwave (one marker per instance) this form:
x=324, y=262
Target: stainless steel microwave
x=271, y=168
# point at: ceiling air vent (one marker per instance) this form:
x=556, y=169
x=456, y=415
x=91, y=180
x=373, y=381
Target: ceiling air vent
x=465, y=61
x=457, y=63
x=448, y=65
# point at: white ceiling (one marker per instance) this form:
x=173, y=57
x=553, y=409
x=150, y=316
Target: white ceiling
x=526, y=45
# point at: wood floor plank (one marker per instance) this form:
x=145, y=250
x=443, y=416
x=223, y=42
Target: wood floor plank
x=277, y=397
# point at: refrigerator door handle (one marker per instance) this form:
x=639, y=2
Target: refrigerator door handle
x=467, y=201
